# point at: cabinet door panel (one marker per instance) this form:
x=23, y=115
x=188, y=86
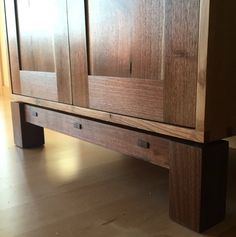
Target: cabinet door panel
x=38, y=37
x=128, y=41
x=125, y=38
x=35, y=35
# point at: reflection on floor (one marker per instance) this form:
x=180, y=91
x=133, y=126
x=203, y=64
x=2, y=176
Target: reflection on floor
x=72, y=188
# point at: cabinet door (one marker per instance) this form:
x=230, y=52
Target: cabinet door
x=39, y=48
x=136, y=58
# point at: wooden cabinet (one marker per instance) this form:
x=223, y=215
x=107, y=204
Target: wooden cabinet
x=143, y=62
x=163, y=68
x=39, y=49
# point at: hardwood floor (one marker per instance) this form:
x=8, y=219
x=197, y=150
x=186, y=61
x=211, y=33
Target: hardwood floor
x=72, y=188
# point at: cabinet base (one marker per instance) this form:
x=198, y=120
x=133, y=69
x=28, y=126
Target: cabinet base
x=197, y=171
x=198, y=176
x=26, y=135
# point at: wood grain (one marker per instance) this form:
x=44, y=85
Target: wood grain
x=25, y=135
x=197, y=172
x=78, y=52
x=112, y=137
x=198, y=184
x=137, y=98
x=215, y=115
x=109, y=25
x=202, y=64
x=145, y=125
x=39, y=45
x=65, y=183
x=13, y=46
x=39, y=84
x=147, y=43
x=185, y=185
x=181, y=62
x=34, y=35
x=220, y=118
x=123, y=41
x=62, y=53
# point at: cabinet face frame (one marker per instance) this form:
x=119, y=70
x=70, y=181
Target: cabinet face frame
x=202, y=64
x=56, y=85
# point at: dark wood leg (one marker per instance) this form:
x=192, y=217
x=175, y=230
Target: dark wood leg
x=198, y=175
x=25, y=135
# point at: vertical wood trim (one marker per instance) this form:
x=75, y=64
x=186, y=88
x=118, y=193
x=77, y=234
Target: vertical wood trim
x=181, y=62
x=220, y=115
x=13, y=46
x=163, y=43
x=62, y=57
x=78, y=52
x=202, y=64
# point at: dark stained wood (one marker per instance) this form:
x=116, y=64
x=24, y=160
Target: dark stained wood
x=25, y=135
x=126, y=38
x=39, y=44
x=62, y=53
x=213, y=117
x=78, y=52
x=137, y=98
x=148, y=39
x=181, y=61
x=153, y=40
x=220, y=117
x=125, y=44
x=198, y=184
x=145, y=125
x=170, y=61
x=116, y=138
x=13, y=46
x=197, y=172
x=109, y=24
x=39, y=84
x=35, y=38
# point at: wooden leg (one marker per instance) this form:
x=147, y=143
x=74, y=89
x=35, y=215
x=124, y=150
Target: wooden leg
x=25, y=135
x=198, y=175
